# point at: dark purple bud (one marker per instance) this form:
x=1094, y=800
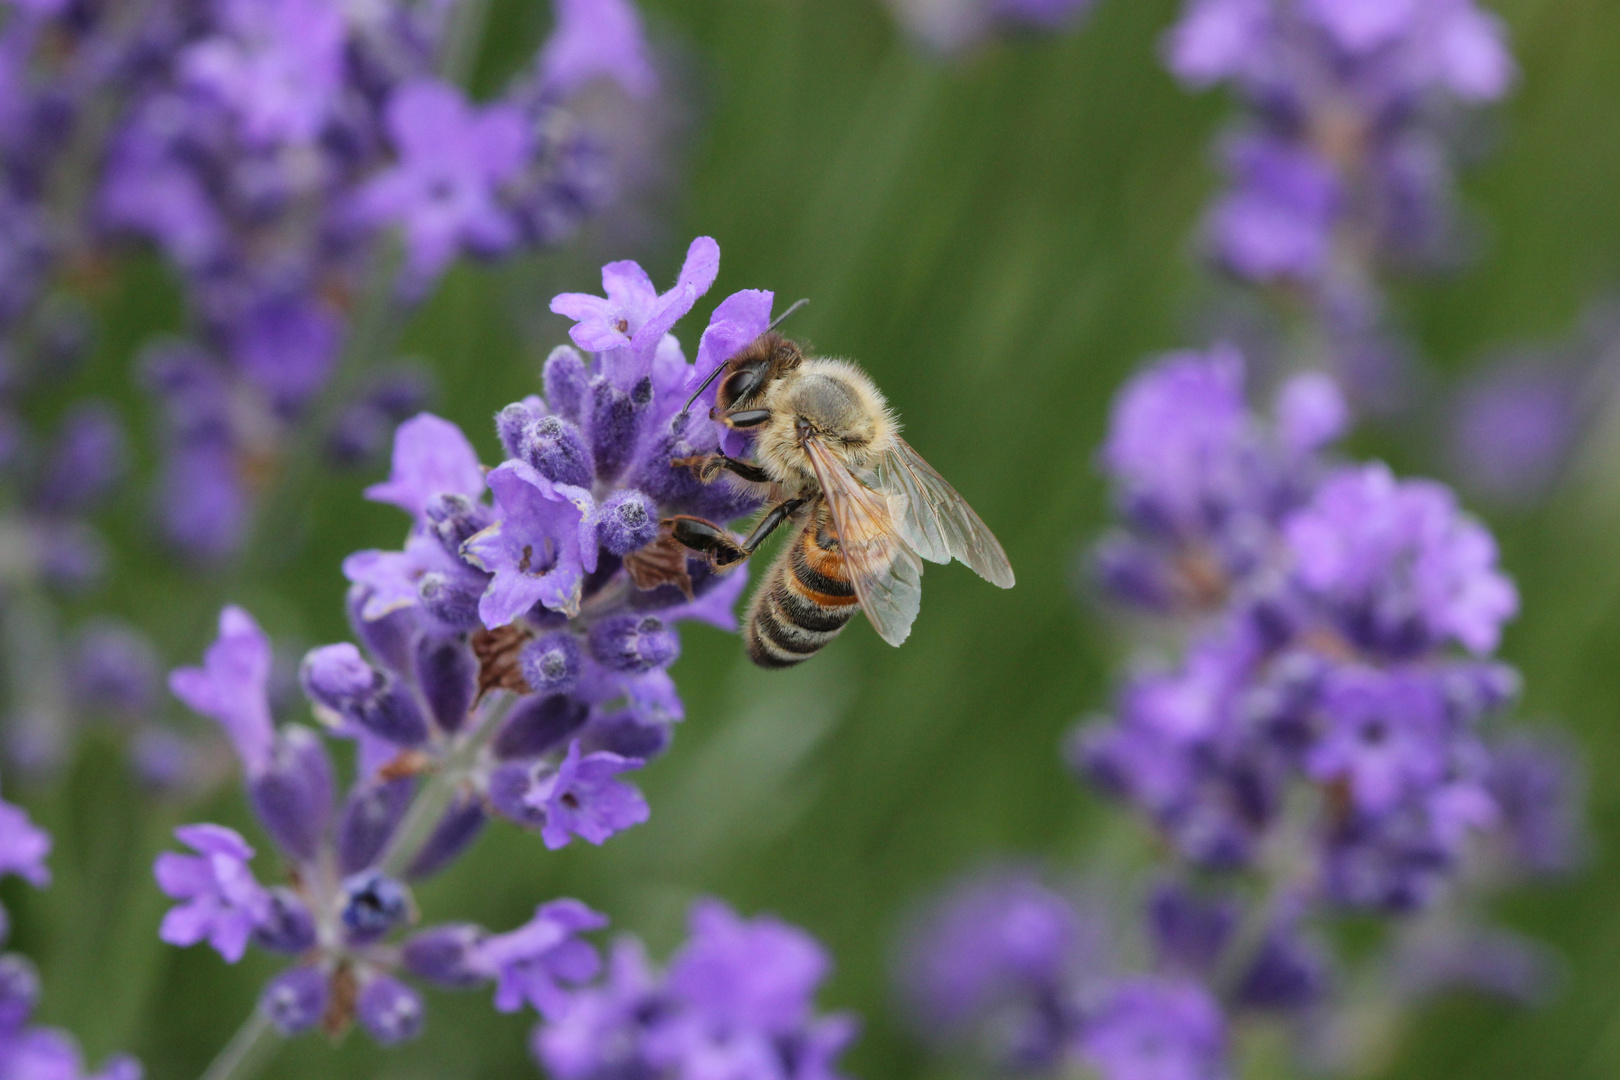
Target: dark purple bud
x=456, y=519
x=1188, y=931
x=459, y=827
x=295, y=1000
x=370, y=816
x=633, y=643
x=551, y=663
x=289, y=927
x=447, y=672
x=72, y=555
x=115, y=668
x=624, y=734
x=510, y=424
x=451, y=600
x=393, y=715
x=509, y=784
x=373, y=905
x=557, y=451
x=538, y=724
x=1286, y=975
x=615, y=424
x=626, y=522
x=567, y=382
x=390, y=1011
x=389, y=638
x=337, y=676
x=87, y=459
x=293, y=797
x=441, y=955
x=19, y=991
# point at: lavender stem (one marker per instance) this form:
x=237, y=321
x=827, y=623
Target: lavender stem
x=249, y=1051
x=436, y=795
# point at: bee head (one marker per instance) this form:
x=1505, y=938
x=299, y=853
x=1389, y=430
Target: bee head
x=769, y=357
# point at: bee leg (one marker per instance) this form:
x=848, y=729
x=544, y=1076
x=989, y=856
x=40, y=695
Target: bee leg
x=768, y=524
x=706, y=467
x=745, y=418
x=706, y=538
x=715, y=543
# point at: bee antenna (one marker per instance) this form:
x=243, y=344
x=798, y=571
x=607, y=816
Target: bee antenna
x=795, y=306
x=780, y=319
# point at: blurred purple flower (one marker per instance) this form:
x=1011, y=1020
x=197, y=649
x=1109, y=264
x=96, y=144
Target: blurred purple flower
x=232, y=687
x=453, y=158
x=531, y=964
x=221, y=901
x=597, y=39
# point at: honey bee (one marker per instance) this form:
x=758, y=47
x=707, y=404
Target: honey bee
x=867, y=508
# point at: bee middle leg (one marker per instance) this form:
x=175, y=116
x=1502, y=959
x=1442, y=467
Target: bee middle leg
x=706, y=467
x=716, y=544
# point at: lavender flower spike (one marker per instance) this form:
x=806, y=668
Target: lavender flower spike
x=232, y=687
x=736, y=1002
x=23, y=846
x=222, y=902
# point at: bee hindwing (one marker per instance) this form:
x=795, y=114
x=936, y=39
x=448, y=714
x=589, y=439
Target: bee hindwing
x=936, y=521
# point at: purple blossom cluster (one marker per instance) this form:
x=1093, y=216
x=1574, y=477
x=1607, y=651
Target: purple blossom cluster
x=272, y=154
x=736, y=1001
x=954, y=26
x=1324, y=738
x=27, y=1049
x=512, y=663
x=1341, y=166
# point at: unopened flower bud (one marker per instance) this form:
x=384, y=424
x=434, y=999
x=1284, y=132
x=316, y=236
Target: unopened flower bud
x=557, y=451
x=295, y=1000
x=390, y=1011
x=632, y=643
x=566, y=381
x=626, y=522
x=289, y=927
x=551, y=663
x=293, y=796
x=373, y=906
x=442, y=955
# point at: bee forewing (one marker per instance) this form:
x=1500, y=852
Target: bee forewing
x=938, y=522
x=886, y=573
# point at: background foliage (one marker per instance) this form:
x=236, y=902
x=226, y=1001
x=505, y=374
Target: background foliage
x=999, y=240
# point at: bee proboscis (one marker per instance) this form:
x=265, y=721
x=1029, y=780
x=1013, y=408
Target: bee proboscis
x=866, y=507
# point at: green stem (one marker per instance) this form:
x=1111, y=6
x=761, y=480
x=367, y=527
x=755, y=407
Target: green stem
x=1288, y=868
x=428, y=808
x=459, y=53
x=249, y=1050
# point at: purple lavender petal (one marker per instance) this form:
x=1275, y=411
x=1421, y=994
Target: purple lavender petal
x=232, y=687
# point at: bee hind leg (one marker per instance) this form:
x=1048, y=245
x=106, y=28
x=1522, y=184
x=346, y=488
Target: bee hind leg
x=716, y=544
x=706, y=538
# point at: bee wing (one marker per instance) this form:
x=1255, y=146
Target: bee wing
x=938, y=522
x=886, y=573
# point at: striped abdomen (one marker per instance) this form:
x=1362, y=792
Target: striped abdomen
x=805, y=599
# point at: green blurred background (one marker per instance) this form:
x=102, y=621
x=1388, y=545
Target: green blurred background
x=1000, y=240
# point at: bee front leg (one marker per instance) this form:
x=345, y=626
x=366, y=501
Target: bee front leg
x=706, y=467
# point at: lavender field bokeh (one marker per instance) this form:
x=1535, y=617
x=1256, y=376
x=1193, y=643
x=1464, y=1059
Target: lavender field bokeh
x=1004, y=212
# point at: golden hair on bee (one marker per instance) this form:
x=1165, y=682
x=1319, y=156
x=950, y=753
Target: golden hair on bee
x=833, y=401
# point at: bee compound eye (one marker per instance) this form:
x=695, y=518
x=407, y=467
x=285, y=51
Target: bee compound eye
x=740, y=385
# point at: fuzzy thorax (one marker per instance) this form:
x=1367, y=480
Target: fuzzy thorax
x=841, y=406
